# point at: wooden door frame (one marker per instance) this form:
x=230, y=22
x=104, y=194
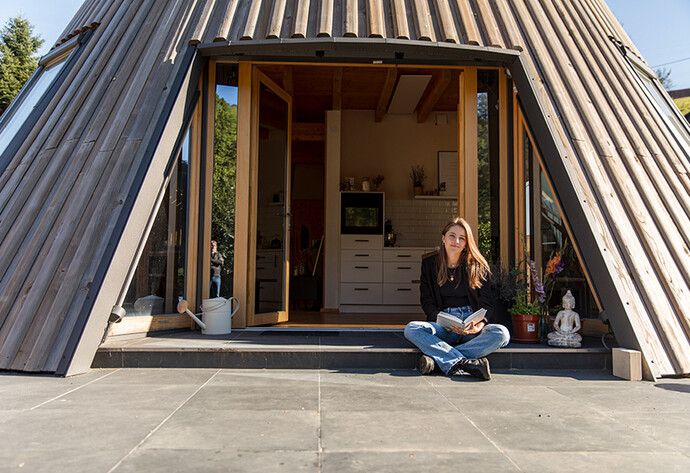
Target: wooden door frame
x=279, y=316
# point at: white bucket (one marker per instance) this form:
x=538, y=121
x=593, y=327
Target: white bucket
x=217, y=315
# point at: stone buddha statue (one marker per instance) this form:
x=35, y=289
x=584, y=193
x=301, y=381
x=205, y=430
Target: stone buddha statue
x=566, y=325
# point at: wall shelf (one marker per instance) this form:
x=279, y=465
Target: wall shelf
x=436, y=197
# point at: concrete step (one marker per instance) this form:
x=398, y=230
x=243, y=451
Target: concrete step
x=322, y=349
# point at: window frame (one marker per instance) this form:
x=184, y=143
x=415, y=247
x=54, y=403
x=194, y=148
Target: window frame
x=66, y=54
x=640, y=69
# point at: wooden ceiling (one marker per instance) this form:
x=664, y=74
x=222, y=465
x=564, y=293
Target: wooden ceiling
x=316, y=89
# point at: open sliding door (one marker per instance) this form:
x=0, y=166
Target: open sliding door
x=270, y=202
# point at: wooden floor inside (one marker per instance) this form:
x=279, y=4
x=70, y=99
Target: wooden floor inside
x=317, y=319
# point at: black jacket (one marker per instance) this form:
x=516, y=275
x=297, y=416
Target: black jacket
x=216, y=263
x=430, y=293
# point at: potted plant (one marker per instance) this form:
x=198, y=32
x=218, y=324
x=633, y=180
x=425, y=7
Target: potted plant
x=417, y=175
x=530, y=309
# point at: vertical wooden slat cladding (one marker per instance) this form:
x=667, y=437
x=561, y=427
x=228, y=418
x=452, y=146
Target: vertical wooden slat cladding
x=277, y=16
x=61, y=210
x=557, y=70
x=470, y=31
x=486, y=16
x=377, y=25
x=626, y=121
x=223, y=32
x=422, y=17
x=252, y=20
x=63, y=194
x=507, y=22
x=160, y=84
x=98, y=17
x=28, y=187
x=326, y=17
x=445, y=17
x=639, y=198
x=301, y=19
x=351, y=18
x=401, y=28
x=103, y=176
x=200, y=29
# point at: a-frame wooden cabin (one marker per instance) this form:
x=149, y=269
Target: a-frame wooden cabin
x=90, y=147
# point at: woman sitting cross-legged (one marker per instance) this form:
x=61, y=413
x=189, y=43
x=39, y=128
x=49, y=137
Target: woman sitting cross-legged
x=456, y=281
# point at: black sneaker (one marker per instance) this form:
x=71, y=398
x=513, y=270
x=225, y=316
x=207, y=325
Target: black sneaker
x=425, y=364
x=477, y=368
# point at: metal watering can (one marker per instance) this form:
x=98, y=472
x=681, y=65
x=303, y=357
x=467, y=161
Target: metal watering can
x=217, y=314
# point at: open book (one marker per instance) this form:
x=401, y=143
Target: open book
x=446, y=320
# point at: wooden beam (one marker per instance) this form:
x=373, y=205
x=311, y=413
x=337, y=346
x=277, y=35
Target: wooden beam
x=308, y=132
x=338, y=89
x=386, y=93
x=435, y=91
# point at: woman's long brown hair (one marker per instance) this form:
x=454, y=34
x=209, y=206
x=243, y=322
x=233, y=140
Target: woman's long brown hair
x=471, y=258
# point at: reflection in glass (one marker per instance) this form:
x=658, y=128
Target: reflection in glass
x=28, y=101
x=271, y=228
x=488, y=164
x=159, y=280
x=225, y=172
x=545, y=224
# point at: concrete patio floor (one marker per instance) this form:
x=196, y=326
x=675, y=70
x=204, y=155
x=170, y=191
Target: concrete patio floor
x=207, y=420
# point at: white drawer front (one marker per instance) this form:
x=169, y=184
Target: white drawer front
x=361, y=271
x=355, y=242
x=401, y=272
x=401, y=294
x=394, y=254
x=355, y=293
x=361, y=255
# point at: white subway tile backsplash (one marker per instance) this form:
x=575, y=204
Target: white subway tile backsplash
x=418, y=222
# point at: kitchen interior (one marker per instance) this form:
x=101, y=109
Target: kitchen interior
x=360, y=223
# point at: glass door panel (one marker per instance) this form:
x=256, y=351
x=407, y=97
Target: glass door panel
x=272, y=205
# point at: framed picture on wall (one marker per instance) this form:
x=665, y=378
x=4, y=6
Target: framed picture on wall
x=448, y=173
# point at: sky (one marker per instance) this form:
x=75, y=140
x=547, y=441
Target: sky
x=659, y=28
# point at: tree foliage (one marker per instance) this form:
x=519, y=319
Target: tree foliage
x=18, y=59
x=664, y=76
x=224, y=172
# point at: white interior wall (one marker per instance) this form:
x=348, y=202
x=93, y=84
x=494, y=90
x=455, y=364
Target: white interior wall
x=392, y=146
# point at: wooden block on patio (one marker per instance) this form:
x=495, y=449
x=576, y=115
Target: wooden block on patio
x=627, y=364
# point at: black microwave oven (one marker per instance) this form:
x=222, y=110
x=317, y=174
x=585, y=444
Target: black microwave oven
x=361, y=213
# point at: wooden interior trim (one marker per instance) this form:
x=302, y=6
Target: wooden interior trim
x=241, y=286
x=469, y=167
x=386, y=94
x=504, y=164
x=436, y=89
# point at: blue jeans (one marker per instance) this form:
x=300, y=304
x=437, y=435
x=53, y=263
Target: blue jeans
x=447, y=347
x=215, y=286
